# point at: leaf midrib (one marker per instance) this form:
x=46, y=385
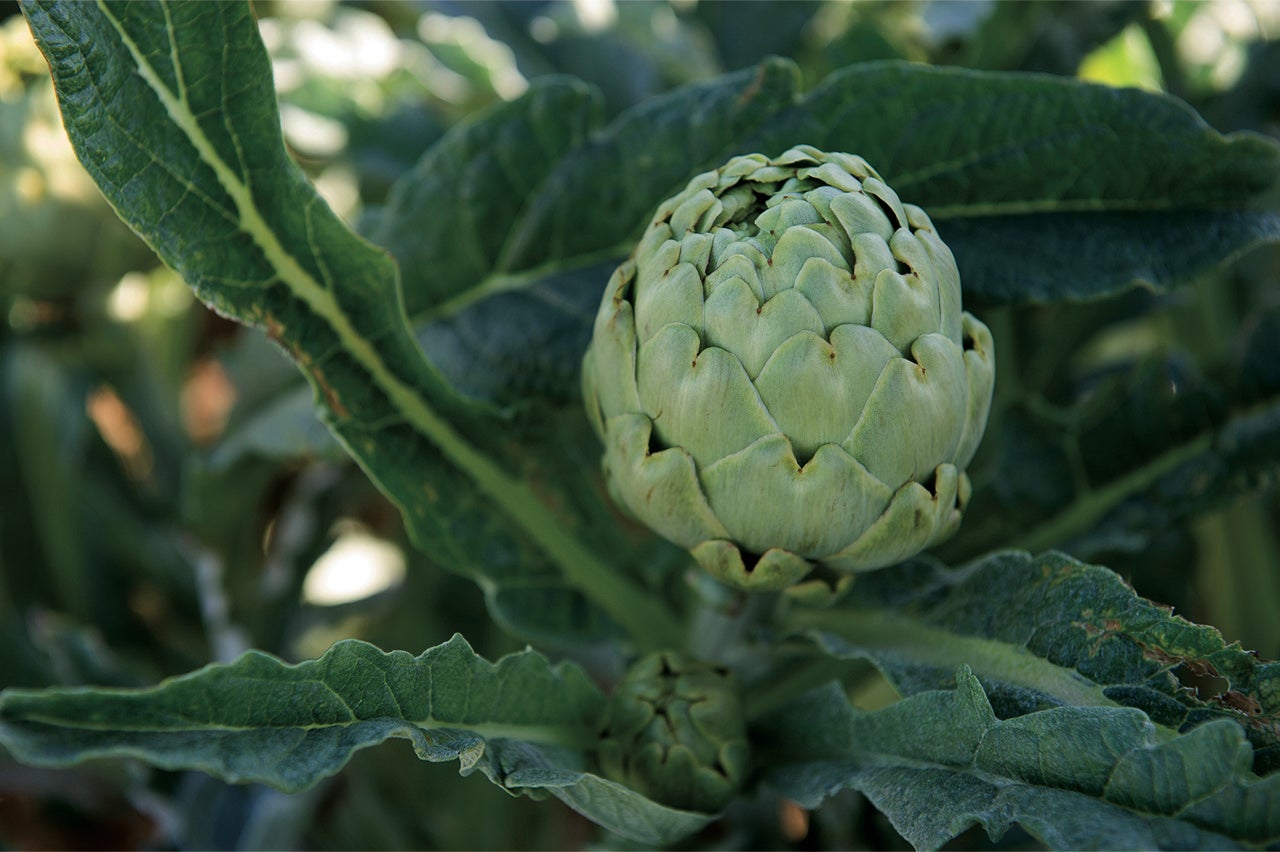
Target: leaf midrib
x=576, y=736
x=911, y=639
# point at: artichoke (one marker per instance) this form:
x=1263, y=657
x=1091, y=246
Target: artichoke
x=674, y=731
x=782, y=374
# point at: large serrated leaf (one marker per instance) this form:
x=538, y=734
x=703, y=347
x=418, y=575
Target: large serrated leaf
x=261, y=720
x=939, y=762
x=525, y=724
x=188, y=149
x=1087, y=172
x=1048, y=631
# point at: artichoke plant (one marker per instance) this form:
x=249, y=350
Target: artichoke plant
x=782, y=374
x=674, y=730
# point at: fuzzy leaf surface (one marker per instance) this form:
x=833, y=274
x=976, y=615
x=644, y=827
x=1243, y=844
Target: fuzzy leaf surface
x=941, y=761
x=1130, y=186
x=1048, y=631
x=522, y=722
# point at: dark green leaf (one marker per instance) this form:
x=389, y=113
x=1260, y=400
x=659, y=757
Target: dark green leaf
x=1048, y=631
x=939, y=762
x=546, y=328
x=1087, y=255
x=968, y=143
x=289, y=726
x=50, y=442
x=608, y=803
x=1087, y=173
x=1139, y=445
x=448, y=220
x=522, y=722
x=745, y=32
x=189, y=151
x=516, y=206
x=598, y=200
x=190, y=154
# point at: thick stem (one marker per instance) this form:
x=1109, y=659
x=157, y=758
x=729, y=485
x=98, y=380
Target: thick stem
x=724, y=620
x=795, y=679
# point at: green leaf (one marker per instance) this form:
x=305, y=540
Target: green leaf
x=260, y=720
x=189, y=153
x=1104, y=455
x=546, y=328
x=483, y=173
x=607, y=803
x=523, y=723
x=1083, y=172
x=50, y=442
x=526, y=181
x=745, y=32
x=1047, y=631
x=1208, y=470
x=939, y=762
x=598, y=201
x=286, y=427
x=1087, y=255
x=188, y=149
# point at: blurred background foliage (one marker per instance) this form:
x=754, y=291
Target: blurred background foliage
x=169, y=499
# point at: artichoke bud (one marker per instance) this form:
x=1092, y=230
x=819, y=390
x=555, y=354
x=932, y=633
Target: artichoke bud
x=674, y=731
x=783, y=376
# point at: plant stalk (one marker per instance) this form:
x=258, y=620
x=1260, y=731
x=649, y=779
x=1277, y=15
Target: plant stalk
x=794, y=681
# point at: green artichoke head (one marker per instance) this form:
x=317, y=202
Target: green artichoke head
x=782, y=373
x=674, y=731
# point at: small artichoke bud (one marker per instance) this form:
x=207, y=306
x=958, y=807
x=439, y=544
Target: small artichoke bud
x=782, y=374
x=674, y=731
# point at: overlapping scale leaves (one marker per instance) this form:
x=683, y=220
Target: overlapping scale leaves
x=782, y=373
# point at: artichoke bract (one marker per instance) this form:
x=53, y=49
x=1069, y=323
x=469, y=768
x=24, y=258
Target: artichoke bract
x=674, y=731
x=782, y=373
